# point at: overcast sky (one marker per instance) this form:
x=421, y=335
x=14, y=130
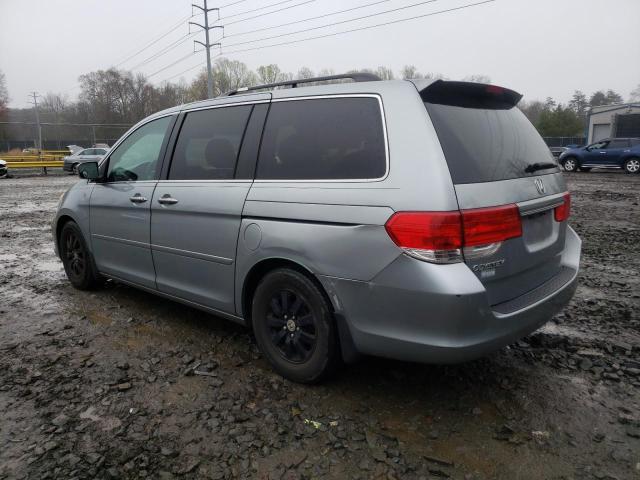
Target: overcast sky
x=540, y=48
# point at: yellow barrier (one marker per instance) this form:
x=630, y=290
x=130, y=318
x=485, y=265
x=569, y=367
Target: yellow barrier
x=35, y=164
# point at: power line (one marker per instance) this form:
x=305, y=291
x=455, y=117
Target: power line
x=267, y=13
x=317, y=37
x=332, y=24
x=181, y=59
x=232, y=3
x=156, y=40
x=169, y=47
x=368, y=27
x=306, y=19
x=184, y=38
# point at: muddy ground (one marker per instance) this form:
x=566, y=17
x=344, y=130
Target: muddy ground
x=101, y=385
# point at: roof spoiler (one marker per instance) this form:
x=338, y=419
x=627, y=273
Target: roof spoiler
x=468, y=94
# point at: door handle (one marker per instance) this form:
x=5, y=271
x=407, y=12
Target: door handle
x=167, y=199
x=137, y=198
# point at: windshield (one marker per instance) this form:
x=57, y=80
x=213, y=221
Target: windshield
x=489, y=144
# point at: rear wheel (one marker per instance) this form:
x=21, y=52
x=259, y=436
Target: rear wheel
x=632, y=165
x=74, y=169
x=570, y=164
x=76, y=258
x=294, y=326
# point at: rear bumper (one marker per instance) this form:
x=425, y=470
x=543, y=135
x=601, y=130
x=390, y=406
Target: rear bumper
x=68, y=166
x=418, y=311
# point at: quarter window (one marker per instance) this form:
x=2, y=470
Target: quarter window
x=323, y=139
x=209, y=143
x=136, y=158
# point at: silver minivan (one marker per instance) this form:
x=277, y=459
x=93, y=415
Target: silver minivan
x=418, y=220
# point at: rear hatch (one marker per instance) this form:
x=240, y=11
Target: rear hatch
x=497, y=158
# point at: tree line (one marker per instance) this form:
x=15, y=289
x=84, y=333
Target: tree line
x=115, y=96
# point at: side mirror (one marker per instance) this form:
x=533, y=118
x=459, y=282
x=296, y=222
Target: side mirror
x=88, y=170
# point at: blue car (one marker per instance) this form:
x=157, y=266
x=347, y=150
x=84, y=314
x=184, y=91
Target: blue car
x=608, y=153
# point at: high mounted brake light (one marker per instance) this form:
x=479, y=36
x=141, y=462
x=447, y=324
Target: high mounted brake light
x=442, y=237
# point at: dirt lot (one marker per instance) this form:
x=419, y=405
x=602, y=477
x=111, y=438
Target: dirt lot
x=101, y=385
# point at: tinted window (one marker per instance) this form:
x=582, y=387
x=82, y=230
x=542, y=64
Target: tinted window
x=598, y=146
x=137, y=156
x=488, y=144
x=209, y=143
x=618, y=144
x=337, y=138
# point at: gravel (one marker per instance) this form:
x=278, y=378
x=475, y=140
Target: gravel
x=119, y=383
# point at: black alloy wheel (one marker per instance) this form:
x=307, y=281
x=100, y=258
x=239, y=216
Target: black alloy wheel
x=294, y=326
x=291, y=326
x=76, y=258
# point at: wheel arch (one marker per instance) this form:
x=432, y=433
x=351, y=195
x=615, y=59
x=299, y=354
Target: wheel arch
x=261, y=268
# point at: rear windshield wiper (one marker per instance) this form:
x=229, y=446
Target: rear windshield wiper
x=534, y=167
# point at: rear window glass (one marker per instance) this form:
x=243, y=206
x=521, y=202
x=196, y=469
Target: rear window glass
x=323, y=139
x=488, y=144
x=209, y=143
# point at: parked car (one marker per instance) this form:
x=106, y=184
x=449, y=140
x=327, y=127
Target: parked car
x=557, y=151
x=609, y=153
x=418, y=220
x=72, y=161
x=3, y=168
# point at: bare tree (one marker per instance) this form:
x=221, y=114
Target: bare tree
x=4, y=94
x=305, y=72
x=477, y=78
x=635, y=94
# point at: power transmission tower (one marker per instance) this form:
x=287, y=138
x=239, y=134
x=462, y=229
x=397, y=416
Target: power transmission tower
x=35, y=96
x=207, y=46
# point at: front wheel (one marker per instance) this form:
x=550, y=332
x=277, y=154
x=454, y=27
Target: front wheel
x=76, y=258
x=570, y=164
x=632, y=165
x=294, y=326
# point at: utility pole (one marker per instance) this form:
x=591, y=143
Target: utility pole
x=35, y=96
x=207, y=46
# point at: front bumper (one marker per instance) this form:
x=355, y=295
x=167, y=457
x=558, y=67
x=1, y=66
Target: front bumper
x=417, y=311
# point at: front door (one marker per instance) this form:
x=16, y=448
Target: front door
x=120, y=205
x=596, y=154
x=197, y=207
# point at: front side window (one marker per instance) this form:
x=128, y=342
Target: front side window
x=598, y=146
x=323, y=139
x=209, y=143
x=136, y=158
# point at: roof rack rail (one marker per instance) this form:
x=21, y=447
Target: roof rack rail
x=356, y=77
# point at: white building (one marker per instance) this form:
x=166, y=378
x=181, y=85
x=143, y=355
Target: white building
x=620, y=120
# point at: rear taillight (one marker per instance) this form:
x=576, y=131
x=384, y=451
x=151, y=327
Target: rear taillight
x=442, y=237
x=490, y=225
x=561, y=213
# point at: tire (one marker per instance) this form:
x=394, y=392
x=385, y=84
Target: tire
x=294, y=326
x=585, y=169
x=76, y=258
x=74, y=169
x=570, y=164
x=632, y=165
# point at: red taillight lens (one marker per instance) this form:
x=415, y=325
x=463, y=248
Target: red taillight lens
x=561, y=213
x=426, y=230
x=482, y=226
x=444, y=234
